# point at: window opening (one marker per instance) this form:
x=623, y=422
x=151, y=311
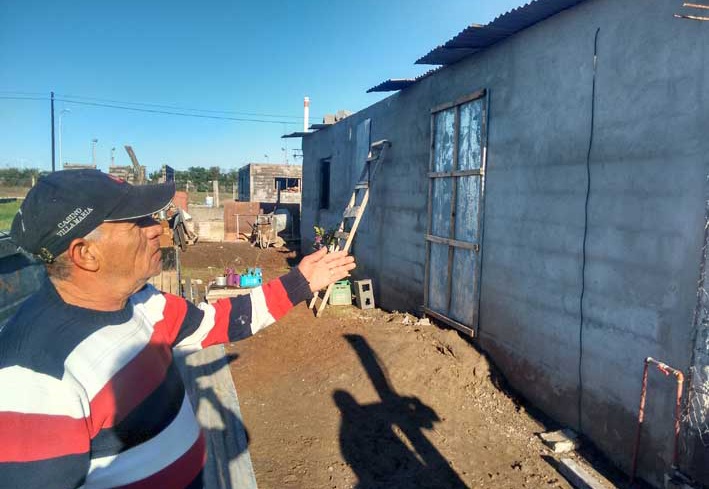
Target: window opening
x=324, y=184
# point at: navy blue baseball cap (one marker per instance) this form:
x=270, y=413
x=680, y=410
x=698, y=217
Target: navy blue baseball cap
x=69, y=204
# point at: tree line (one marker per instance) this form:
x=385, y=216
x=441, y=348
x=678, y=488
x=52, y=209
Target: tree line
x=195, y=177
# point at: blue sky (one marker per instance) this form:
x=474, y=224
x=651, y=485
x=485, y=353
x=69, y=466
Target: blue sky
x=257, y=57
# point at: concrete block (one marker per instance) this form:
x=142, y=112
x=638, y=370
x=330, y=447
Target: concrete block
x=580, y=477
x=561, y=441
x=364, y=294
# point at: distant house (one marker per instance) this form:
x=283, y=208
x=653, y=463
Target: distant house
x=126, y=173
x=546, y=192
x=77, y=166
x=260, y=182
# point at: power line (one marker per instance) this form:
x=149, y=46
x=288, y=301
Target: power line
x=22, y=93
x=24, y=98
x=173, y=107
x=154, y=111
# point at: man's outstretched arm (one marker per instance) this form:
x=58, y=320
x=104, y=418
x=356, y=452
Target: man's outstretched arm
x=189, y=327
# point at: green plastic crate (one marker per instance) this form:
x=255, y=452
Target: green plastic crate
x=341, y=294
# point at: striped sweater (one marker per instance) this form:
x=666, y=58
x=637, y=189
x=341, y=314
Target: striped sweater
x=93, y=400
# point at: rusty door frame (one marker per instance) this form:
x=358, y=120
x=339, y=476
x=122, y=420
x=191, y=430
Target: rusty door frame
x=452, y=243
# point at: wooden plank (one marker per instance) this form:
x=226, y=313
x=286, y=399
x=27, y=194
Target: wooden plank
x=216, y=294
x=690, y=17
x=462, y=100
x=189, y=294
x=324, y=300
x=456, y=173
x=450, y=242
x=450, y=322
x=481, y=215
x=214, y=400
x=454, y=200
x=695, y=5
x=578, y=476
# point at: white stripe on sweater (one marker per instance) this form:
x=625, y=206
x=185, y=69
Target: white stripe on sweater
x=260, y=317
x=27, y=391
x=88, y=361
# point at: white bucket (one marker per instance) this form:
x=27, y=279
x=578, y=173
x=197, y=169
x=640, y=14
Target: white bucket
x=209, y=201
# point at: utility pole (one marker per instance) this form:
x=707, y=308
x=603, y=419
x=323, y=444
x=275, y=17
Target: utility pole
x=61, y=115
x=113, y=156
x=52, y=104
x=93, y=151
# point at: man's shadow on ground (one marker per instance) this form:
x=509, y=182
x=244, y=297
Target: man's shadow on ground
x=372, y=435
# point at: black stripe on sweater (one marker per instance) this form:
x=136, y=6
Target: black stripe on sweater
x=240, y=318
x=54, y=473
x=191, y=322
x=146, y=420
x=297, y=286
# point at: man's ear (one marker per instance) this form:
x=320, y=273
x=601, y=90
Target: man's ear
x=84, y=254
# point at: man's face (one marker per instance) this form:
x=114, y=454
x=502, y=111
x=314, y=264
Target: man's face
x=130, y=251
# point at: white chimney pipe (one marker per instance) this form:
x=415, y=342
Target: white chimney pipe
x=306, y=113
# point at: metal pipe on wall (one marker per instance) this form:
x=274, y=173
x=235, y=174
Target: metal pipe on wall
x=667, y=370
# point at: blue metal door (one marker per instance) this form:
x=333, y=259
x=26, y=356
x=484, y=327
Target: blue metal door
x=455, y=211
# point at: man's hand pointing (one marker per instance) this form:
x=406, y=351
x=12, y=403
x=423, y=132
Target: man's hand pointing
x=321, y=268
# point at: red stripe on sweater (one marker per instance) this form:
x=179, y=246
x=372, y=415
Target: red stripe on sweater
x=132, y=384
x=28, y=437
x=178, y=474
x=276, y=299
x=220, y=331
x=173, y=315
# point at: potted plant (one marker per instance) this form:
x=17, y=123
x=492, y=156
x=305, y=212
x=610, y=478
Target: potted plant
x=324, y=237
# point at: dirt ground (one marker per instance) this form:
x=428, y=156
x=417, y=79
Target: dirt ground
x=370, y=399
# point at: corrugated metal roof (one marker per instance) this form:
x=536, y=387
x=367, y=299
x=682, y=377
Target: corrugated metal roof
x=477, y=37
x=394, y=84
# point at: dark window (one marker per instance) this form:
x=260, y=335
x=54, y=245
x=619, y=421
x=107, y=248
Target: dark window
x=287, y=184
x=324, y=184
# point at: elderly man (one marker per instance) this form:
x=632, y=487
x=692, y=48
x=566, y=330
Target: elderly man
x=90, y=396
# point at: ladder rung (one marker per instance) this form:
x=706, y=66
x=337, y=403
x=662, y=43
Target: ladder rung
x=351, y=211
x=361, y=185
x=342, y=235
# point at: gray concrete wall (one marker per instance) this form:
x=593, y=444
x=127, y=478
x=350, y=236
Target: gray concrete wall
x=262, y=183
x=645, y=217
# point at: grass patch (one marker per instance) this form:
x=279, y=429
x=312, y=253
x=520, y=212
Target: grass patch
x=7, y=213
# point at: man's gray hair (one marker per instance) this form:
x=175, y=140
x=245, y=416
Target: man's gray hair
x=60, y=268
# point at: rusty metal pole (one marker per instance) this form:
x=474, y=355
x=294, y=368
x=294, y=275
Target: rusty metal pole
x=641, y=417
x=667, y=370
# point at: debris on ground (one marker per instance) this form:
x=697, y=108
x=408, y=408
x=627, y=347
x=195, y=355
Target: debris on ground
x=560, y=441
x=582, y=476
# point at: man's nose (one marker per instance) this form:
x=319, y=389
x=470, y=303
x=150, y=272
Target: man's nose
x=153, y=229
